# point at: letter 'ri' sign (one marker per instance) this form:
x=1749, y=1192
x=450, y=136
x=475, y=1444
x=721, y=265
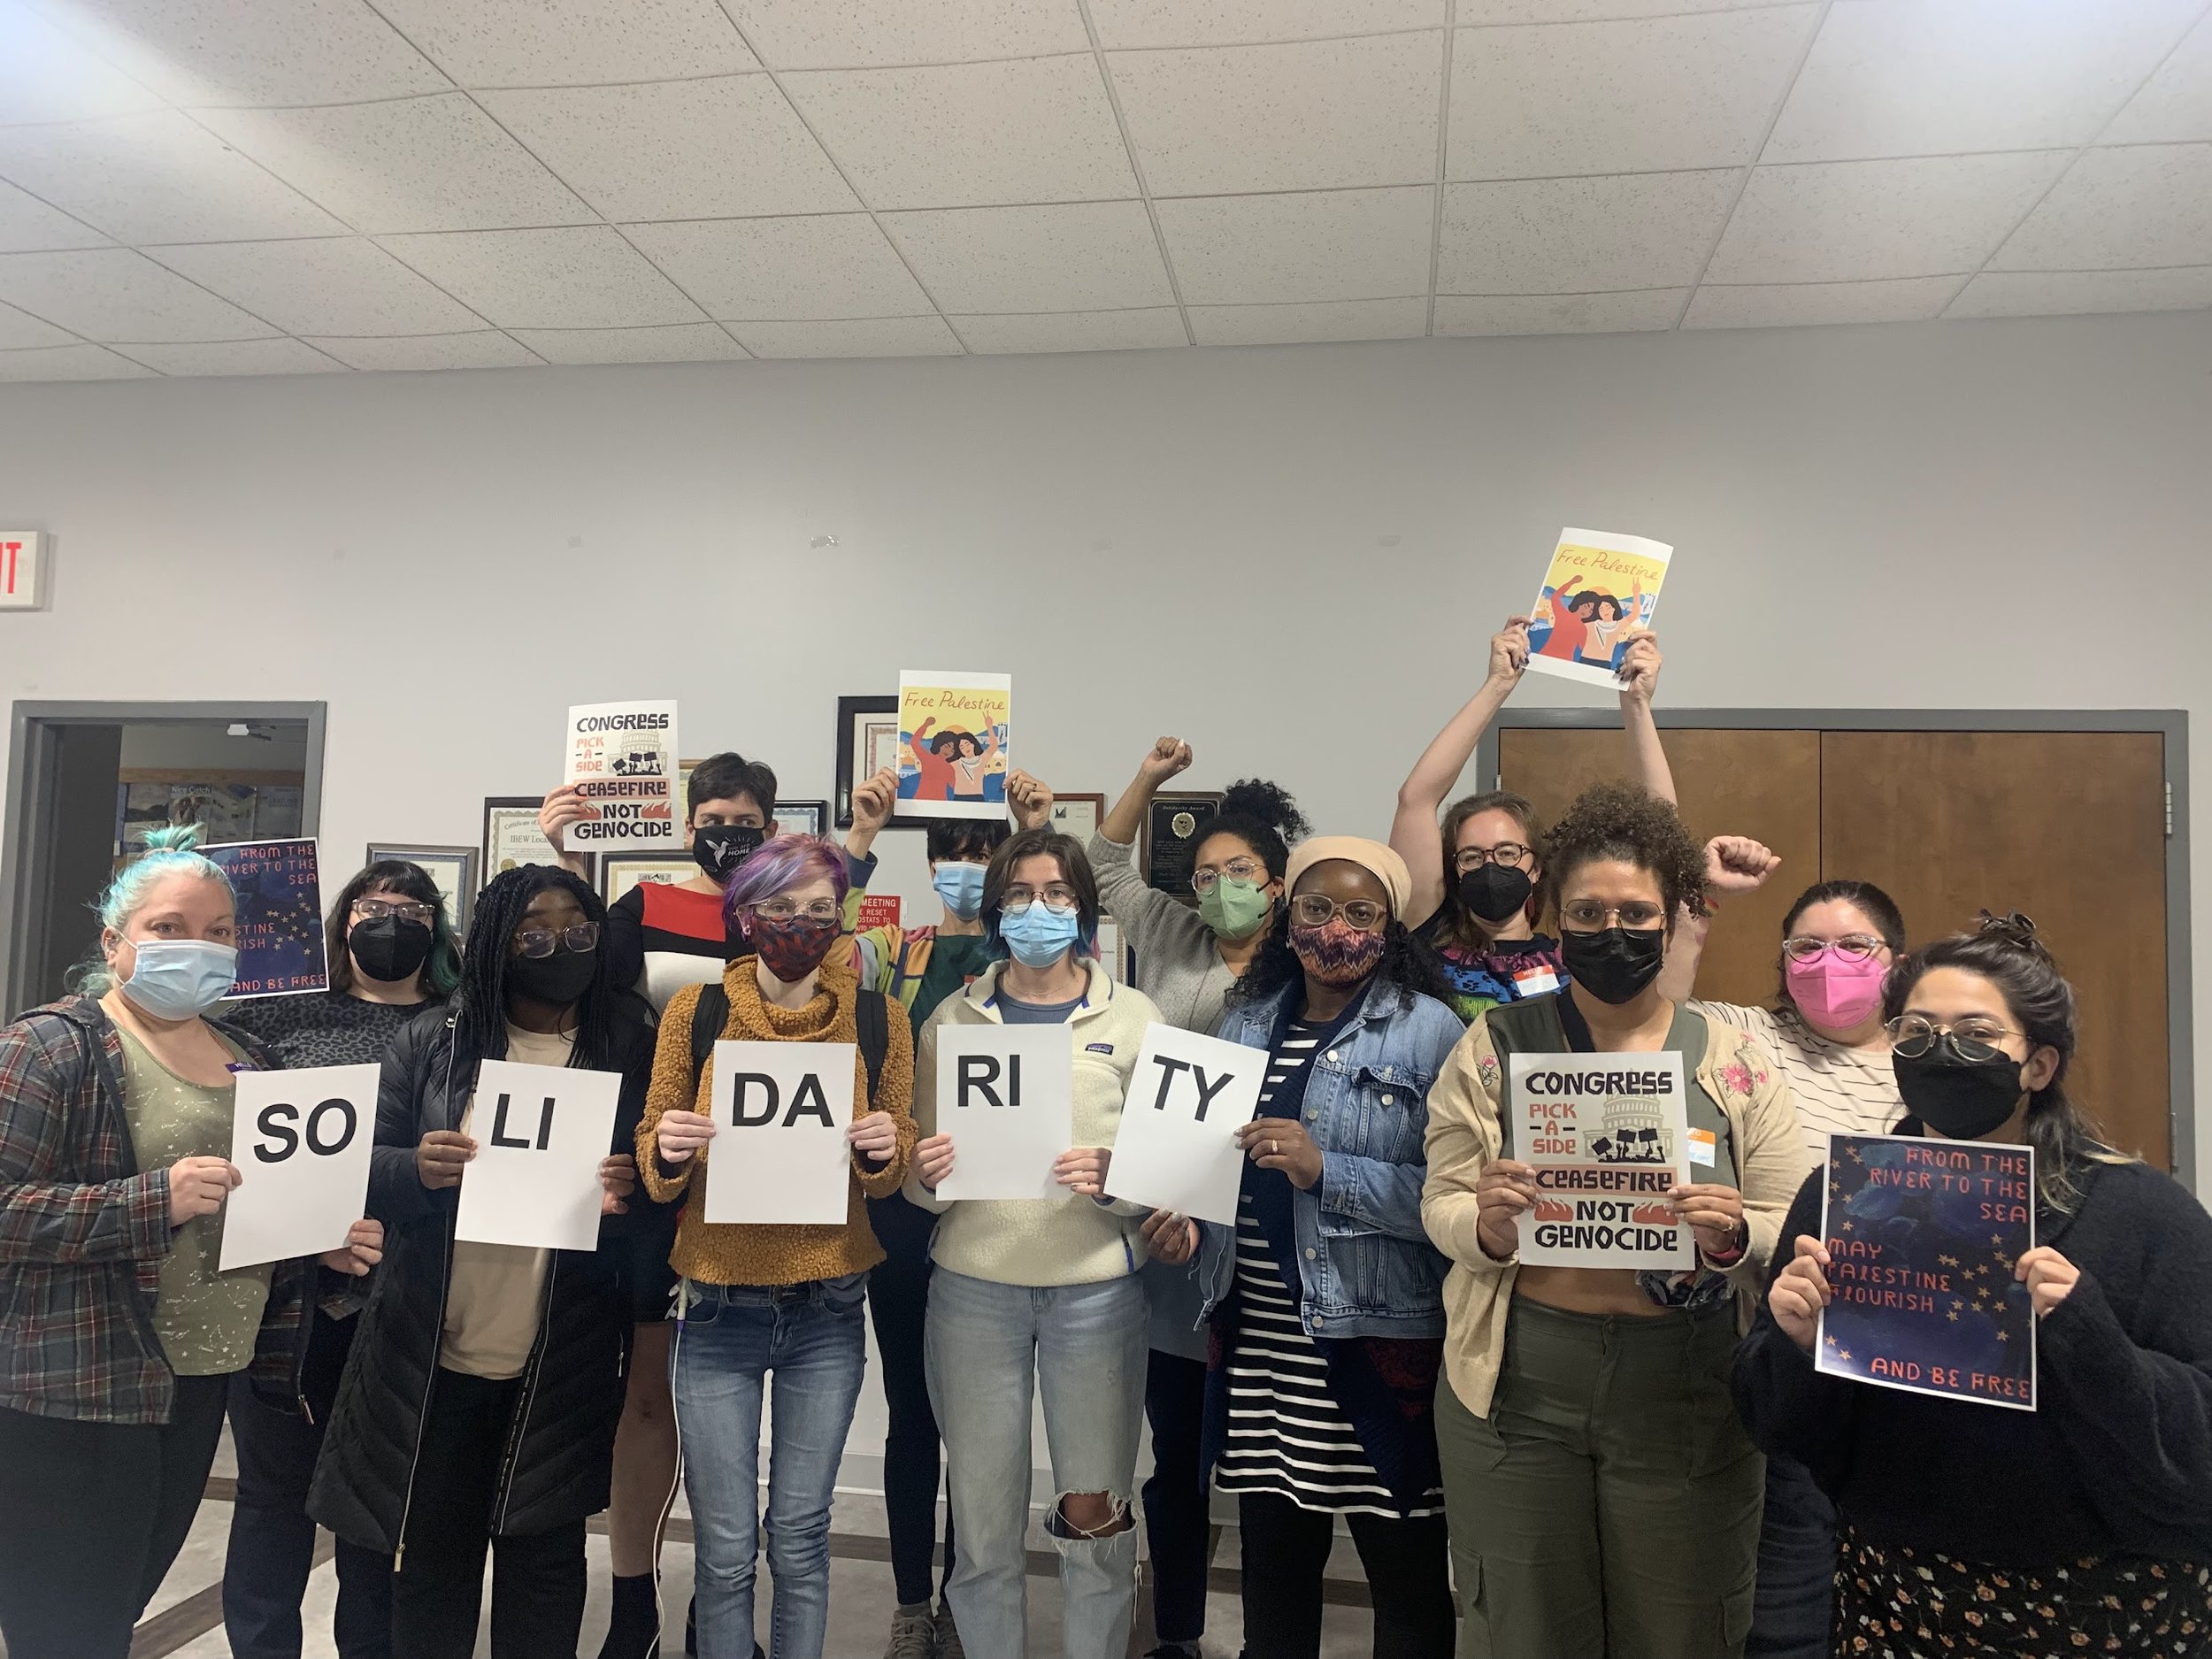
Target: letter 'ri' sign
x=1005, y=1095
x=779, y=1155
x=301, y=1143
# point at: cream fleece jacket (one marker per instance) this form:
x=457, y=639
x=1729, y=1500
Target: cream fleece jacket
x=1033, y=1241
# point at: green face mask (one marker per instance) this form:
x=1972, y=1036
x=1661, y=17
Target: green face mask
x=1234, y=910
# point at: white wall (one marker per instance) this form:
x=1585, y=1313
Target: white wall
x=1290, y=557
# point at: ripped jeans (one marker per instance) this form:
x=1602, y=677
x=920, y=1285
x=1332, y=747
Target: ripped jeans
x=1085, y=1346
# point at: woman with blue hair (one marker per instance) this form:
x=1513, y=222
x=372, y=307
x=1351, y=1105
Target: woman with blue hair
x=118, y=1335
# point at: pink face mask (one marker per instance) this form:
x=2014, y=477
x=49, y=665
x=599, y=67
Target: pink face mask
x=1834, y=992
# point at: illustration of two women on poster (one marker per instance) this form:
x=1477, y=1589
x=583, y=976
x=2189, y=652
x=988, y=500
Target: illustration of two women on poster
x=1600, y=589
x=954, y=736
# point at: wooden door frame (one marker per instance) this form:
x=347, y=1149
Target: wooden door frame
x=2171, y=723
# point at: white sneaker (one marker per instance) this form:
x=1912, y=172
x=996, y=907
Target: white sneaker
x=913, y=1634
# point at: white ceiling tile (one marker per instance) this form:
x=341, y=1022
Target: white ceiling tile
x=586, y=277
x=1940, y=77
x=114, y=295
x=806, y=35
x=727, y=146
x=2120, y=208
x=70, y=363
x=1592, y=10
x=2176, y=103
x=155, y=178
x=1335, y=319
x=1787, y=305
x=1075, y=256
x=1317, y=245
x=1301, y=117
x=46, y=76
x=325, y=285
x=858, y=337
x=482, y=349
x=236, y=357
x=21, y=329
x=1042, y=130
x=1073, y=331
x=416, y=164
x=835, y=265
x=1579, y=235
x=242, y=52
x=1142, y=23
x=1637, y=312
x=572, y=43
x=1846, y=221
x=28, y=225
x=676, y=342
x=2050, y=293
x=1634, y=96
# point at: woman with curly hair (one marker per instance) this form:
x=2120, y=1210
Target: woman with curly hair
x=1605, y=1501
x=1327, y=1296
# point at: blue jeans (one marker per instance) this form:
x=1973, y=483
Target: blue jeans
x=728, y=1339
x=990, y=1347
x=1796, y=1598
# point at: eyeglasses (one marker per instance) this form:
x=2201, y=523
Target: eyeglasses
x=542, y=941
x=1057, y=896
x=376, y=909
x=1318, y=910
x=1504, y=853
x=1587, y=916
x=1851, y=947
x=1975, y=1037
x=1235, y=870
x=784, y=910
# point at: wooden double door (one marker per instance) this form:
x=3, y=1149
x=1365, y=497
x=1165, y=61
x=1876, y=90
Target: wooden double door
x=2069, y=827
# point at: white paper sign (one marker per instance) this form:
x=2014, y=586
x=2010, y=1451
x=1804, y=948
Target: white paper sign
x=1005, y=1095
x=622, y=755
x=541, y=1131
x=301, y=1142
x=1178, y=1145
x=779, y=1156
x=1609, y=1136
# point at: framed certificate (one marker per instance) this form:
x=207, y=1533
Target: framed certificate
x=452, y=868
x=511, y=836
x=1173, y=825
x=619, y=872
x=801, y=818
x=867, y=742
x=1077, y=815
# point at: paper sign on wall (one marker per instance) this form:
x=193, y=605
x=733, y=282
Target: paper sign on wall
x=622, y=757
x=1923, y=1236
x=541, y=1131
x=779, y=1155
x=281, y=950
x=301, y=1143
x=1005, y=1095
x=22, y=560
x=956, y=743
x=1607, y=1135
x=1177, y=1148
x=1600, y=587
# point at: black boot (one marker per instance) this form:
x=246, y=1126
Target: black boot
x=634, y=1624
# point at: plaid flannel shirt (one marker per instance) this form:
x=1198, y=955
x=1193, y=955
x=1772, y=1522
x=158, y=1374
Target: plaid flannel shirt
x=83, y=1232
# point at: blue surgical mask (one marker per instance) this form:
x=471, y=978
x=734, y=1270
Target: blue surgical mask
x=1039, y=935
x=175, y=978
x=961, y=886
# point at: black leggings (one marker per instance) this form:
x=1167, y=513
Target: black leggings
x=92, y=1515
x=1286, y=1548
x=898, y=1302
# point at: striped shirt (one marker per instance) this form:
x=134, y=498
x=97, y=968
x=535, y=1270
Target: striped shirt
x=1287, y=1436
x=1837, y=1090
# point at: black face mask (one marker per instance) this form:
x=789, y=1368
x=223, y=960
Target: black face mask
x=719, y=848
x=389, y=947
x=1957, y=1098
x=1495, y=892
x=1615, y=965
x=557, y=980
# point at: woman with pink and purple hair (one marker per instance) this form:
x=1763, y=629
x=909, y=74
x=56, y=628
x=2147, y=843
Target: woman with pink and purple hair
x=763, y=1306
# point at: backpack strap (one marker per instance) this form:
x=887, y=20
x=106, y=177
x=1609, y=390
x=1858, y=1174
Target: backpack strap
x=872, y=1012
x=708, y=1015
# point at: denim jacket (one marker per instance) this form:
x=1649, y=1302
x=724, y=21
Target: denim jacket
x=1365, y=1262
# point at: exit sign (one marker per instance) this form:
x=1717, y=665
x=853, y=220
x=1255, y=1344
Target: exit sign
x=20, y=554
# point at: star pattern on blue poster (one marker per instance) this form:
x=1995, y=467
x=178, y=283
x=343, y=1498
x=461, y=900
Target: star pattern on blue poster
x=1923, y=1236
x=280, y=945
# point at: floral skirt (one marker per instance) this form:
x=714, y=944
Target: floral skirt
x=1894, y=1602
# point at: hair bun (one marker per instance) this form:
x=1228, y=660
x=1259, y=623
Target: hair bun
x=1270, y=803
x=2016, y=930
x=175, y=837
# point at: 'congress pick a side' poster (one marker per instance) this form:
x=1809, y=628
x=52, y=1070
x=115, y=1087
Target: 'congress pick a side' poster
x=621, y=757
x=1609, y=1136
